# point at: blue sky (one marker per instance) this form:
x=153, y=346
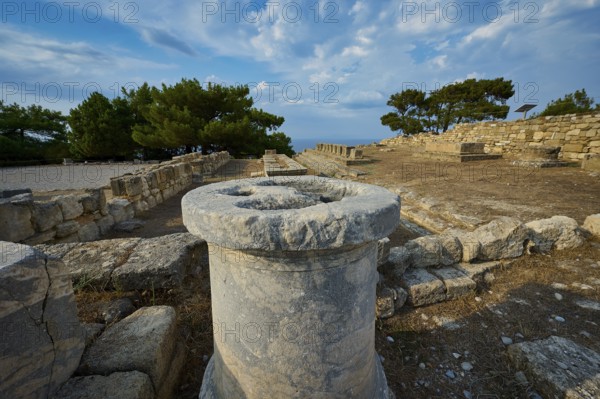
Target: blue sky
x=328, y=67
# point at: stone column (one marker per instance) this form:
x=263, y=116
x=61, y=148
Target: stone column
x=293, y=277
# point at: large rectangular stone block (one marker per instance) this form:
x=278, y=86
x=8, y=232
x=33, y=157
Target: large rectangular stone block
x=455, y=148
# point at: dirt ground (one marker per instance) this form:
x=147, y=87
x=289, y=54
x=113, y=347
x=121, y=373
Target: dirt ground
x=488, y=189
x=535, y=297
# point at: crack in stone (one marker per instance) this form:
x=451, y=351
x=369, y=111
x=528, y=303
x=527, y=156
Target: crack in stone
x=45, y=322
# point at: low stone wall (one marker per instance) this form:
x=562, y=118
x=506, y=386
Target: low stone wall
x=64, y=218
x=86, y=217
x=577, y=135
x=340, y=150
x=146, y=189
x=447, y=266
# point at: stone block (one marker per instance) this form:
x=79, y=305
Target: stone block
x=386, y=303
x=383, y=251
x=423, y=288
x=117, y=187
x=501, y=239
x=434, y=250
x=557, y=232
x=592, y=224
x=122, y=385
x=478, y=271
x=69, y=205
x=456, y=282
x=15, y=221
x=162, y=262
x=572, y=148
x=41, y=338
x=144, y=341
x=558, y=367
x=88, y=232
x=67, y=228
x=93, y=200
x=40, y=238
x=133, y=185
x=120, y=209
x=105, y=224
x=455, y=148
x=399, y=260
x=591, y=162
x=46, y=215
x=90, y=265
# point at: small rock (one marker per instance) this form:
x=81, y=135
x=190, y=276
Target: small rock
x=424, y=316
x=456, y=355
x=559, y=319
x=468, y=395
x=477, y=299
x=521, y=379
x=450, y=374
x=118, y=310
x=466, y=366
x=390, y=339
x=558, y=296
x=559, y=286
x=586, y=334
x=520, y=336
x=506, y=340
x=129, y=225
x=422, y=366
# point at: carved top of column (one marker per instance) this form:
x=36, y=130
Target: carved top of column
x=290, y=213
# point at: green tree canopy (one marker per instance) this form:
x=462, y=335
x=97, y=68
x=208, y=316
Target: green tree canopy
x=31, y=134
x=101, y=128
x=468, y=101
x=572, y=103
x=16, y=121
x=188, y=115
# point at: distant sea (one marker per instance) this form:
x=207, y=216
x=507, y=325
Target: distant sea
x=302, y=144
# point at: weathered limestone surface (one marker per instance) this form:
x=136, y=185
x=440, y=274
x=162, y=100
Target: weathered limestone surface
x=591, y=162
x=559, y=368
x=557, y=232
x=293, y=266
x=70, y=206
x=478, y=271
x=92, y=264
x=592, y=224
x=132, y=263
x=399, y=260
x=434, y=250
x=457, y=284
x=302, y=219
x=423, y=287
x=383, y=251
x=41, y=340
x=162, y=262
x=122, y=385
x=15, y=220
x=145, y=341
x=502, y=238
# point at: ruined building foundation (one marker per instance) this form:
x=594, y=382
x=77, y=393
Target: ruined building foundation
x=293, y=278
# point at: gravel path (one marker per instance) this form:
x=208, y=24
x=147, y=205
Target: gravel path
x=63, y=177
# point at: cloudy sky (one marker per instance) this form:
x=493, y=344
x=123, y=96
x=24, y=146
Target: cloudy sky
x=328, y=67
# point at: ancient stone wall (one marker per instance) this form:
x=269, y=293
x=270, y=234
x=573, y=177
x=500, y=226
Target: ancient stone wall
x=64, y=218
x=577, y=135
x=86, y=217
